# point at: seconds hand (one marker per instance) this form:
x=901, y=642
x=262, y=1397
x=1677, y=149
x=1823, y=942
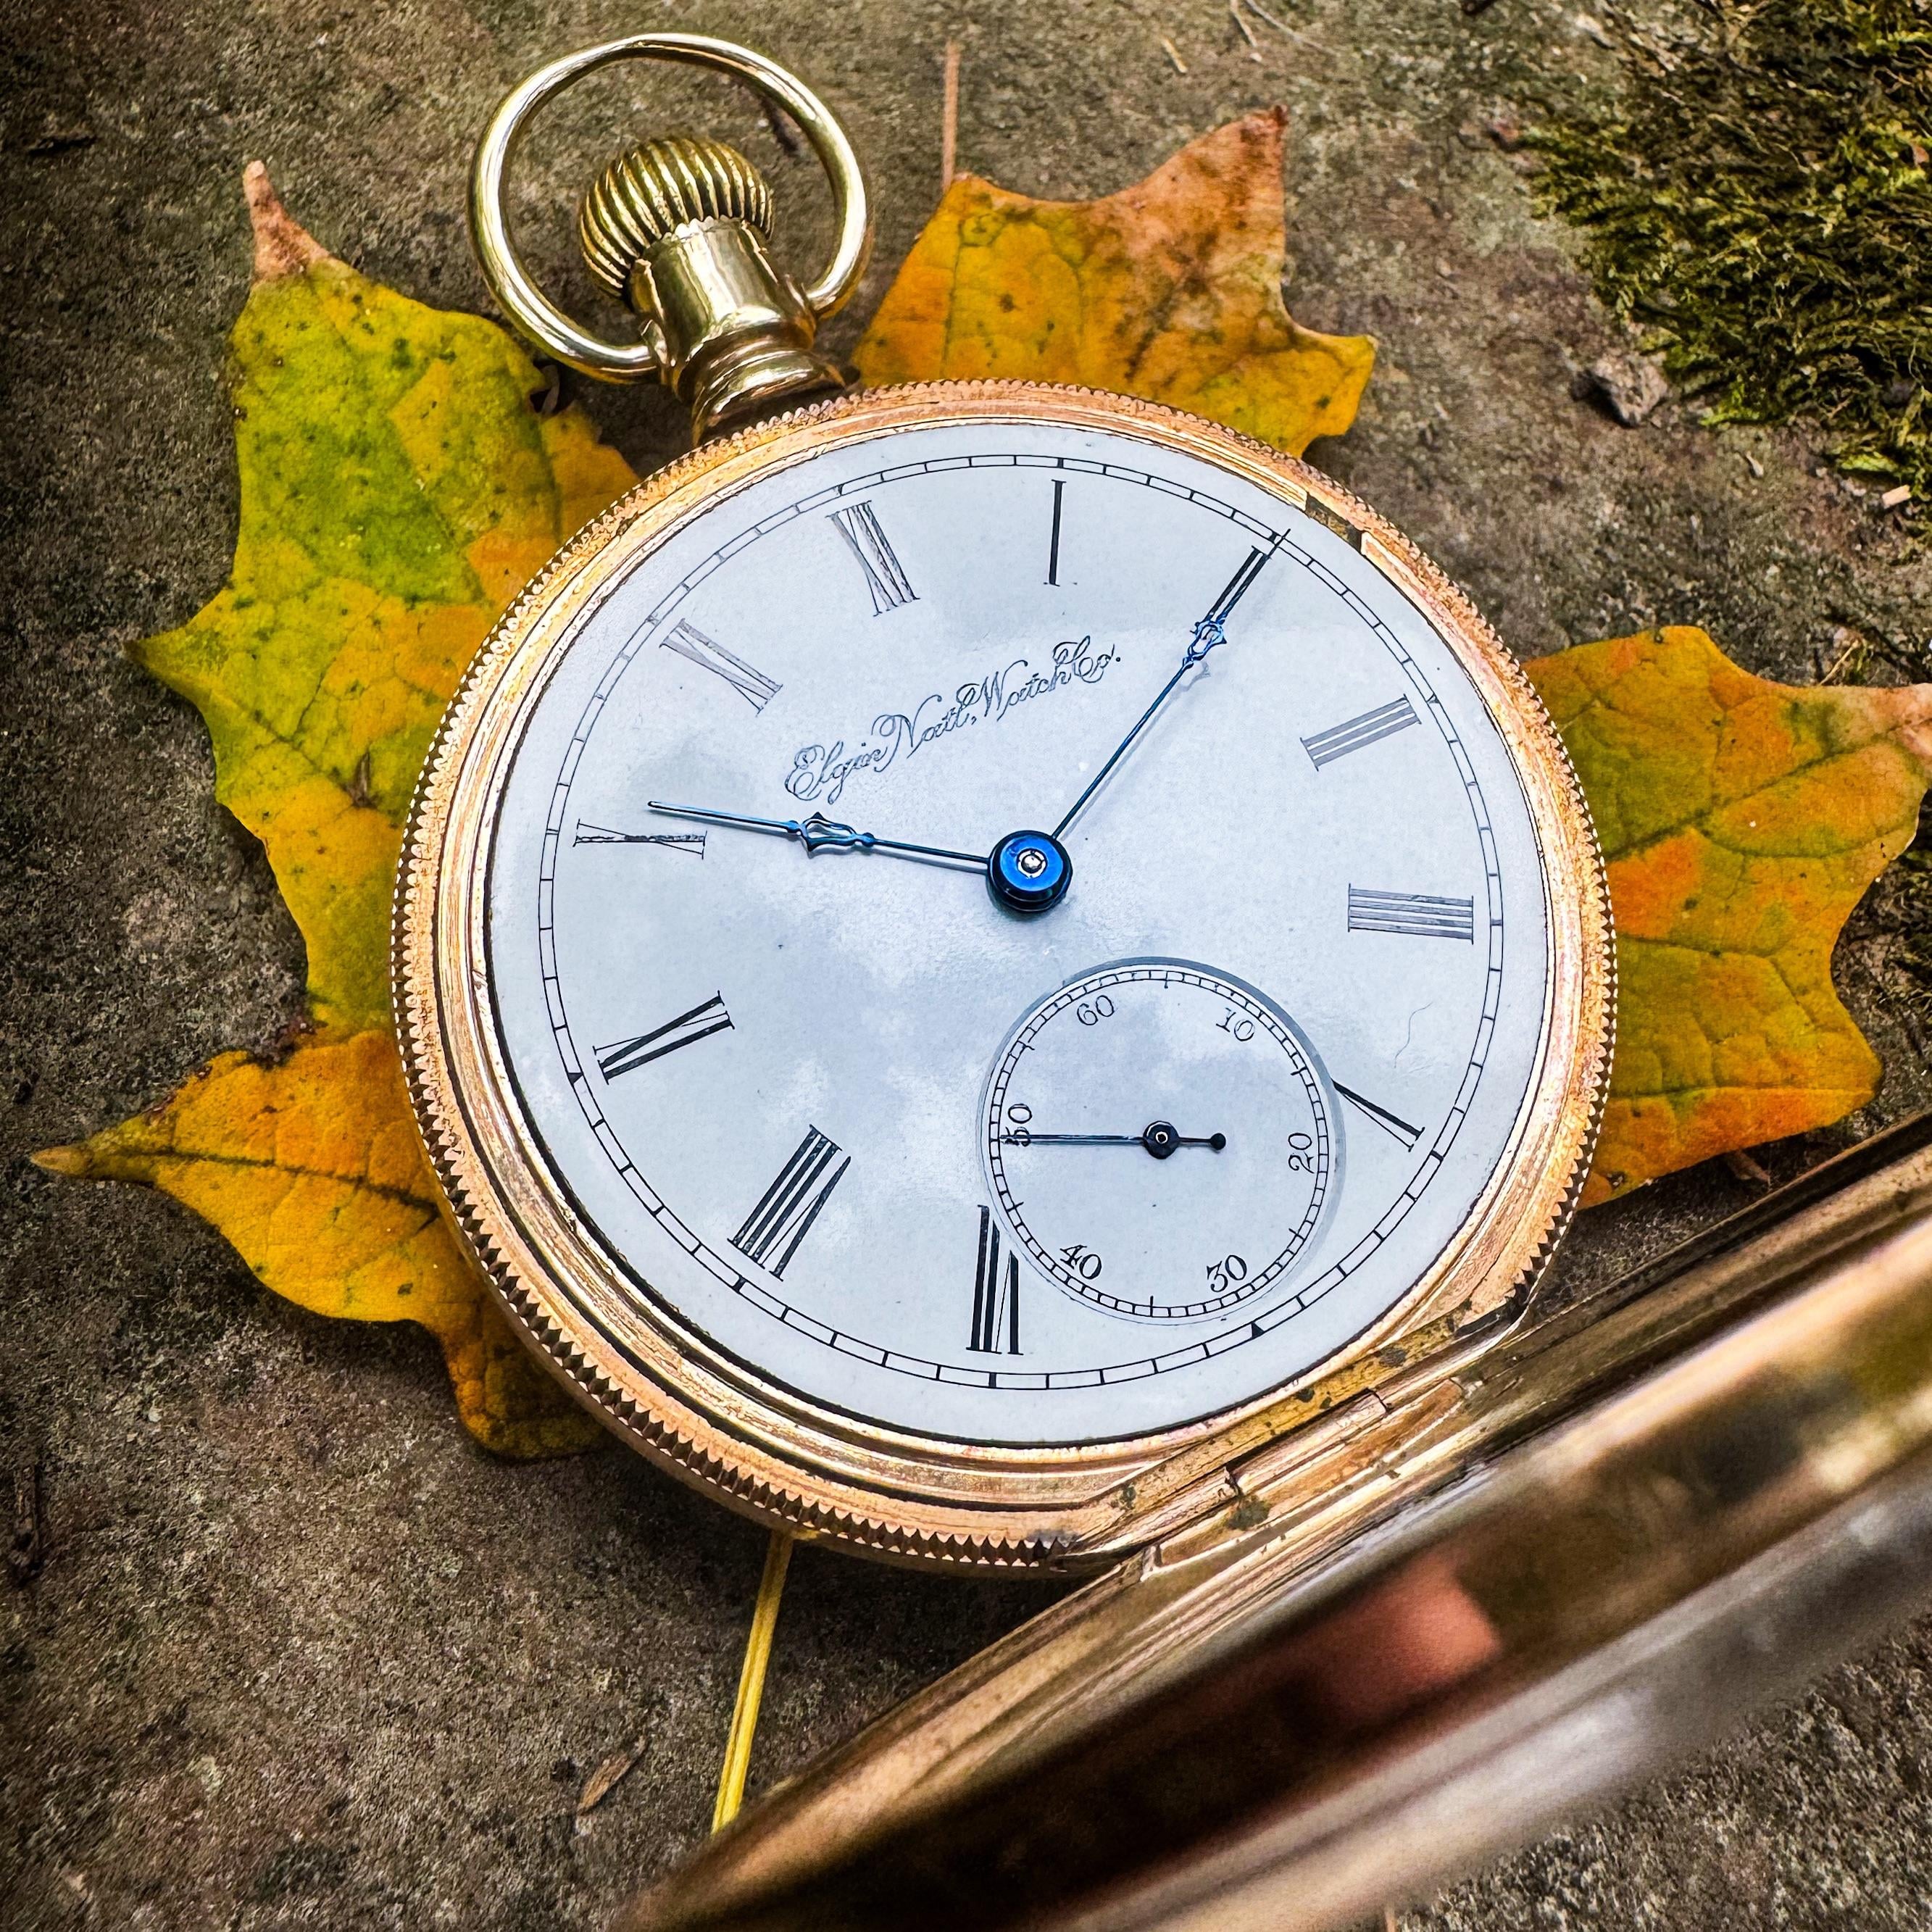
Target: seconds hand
x=1158, y=1137
x=1211, y=631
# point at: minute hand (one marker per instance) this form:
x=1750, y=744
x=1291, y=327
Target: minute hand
x=1209, y=632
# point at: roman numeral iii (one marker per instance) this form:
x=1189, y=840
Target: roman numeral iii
x=996, y=1303
x=752, y=686
x=1415, y=913
x=786, y=1209
x=885, y=575
x=1340, y=739
x=626, y=1056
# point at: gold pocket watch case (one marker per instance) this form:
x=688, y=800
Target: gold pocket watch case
x=740, y=1222
x=1599, y=1548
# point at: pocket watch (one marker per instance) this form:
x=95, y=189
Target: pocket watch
x=975, y=960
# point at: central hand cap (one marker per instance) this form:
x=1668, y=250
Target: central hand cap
x=1028, y=871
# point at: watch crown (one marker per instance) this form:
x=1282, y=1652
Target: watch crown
x=653, y=189
x=677, y=228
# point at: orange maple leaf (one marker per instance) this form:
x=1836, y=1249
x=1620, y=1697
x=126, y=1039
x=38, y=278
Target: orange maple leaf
x=1170, y=289
x=1742, y=821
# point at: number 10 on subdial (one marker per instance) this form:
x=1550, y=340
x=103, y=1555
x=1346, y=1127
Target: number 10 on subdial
x=1159, y=1140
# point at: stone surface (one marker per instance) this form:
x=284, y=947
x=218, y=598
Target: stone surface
x=1630, y=386
x=296, y=1653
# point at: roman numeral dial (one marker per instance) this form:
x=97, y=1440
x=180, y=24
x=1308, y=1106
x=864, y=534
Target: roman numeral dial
x=626, y=1056
x=1421, y=915
x=691, y=844
x=1053, y=542
x=1393, y=1125
x=955, y=1161
x=996, y=1301
x=1325, y=747
x=752, y=684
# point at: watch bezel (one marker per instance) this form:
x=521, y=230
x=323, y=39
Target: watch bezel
x=768, y=1451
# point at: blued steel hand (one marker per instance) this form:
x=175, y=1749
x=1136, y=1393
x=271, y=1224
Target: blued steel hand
x=1208, y=632
x=1158, y=1137
x=818, y=832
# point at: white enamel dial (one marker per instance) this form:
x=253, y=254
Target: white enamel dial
x=775, y=1072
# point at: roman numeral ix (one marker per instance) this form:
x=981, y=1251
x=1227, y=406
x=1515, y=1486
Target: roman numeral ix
x=786, y=1209
x=1340, y=739
x=752, y=686
x=996, y=1303
x=1415, y=913
x=885, y=575
x=692, y=843
x=626, y=1056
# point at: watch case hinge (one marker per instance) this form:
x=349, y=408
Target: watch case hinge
x=1323, y=1480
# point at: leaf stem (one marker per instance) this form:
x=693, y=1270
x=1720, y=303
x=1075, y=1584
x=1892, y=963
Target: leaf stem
x=751, y=1681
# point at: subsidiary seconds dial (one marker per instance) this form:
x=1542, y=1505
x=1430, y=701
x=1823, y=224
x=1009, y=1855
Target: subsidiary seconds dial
x=1159, y=1139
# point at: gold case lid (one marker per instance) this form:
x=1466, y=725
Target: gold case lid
x=1627, y=1526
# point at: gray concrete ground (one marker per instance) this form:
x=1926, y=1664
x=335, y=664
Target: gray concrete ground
x=297, y=1653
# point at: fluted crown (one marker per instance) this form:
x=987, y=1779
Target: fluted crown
x=647, y=193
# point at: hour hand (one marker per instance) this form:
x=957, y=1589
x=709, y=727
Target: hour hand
x=818, y=833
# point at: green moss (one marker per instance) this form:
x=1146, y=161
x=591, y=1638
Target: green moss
x=1761, y=208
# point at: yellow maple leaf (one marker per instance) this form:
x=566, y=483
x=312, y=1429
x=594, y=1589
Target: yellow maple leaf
x=1170, y=289
x=397, y=489
x=1741, y=821
x=311, y=1168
